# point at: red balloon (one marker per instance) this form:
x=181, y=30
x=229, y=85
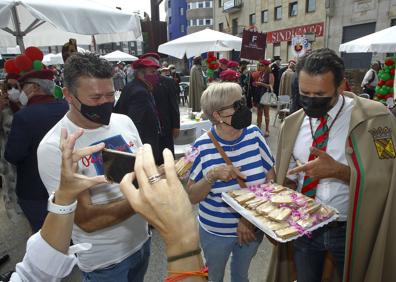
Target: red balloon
x=381, y=83
x=23, y=62
x=34, y=53
x=10, y=66
x=392, y=72
x=389, y=62
x=389, y=83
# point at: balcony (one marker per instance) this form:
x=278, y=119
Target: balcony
x=231, y=6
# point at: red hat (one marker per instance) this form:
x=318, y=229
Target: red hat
x=12, y=76
x=150, y=54
x=229, y=75
x=232, y=64
x=144, y=63
x=223, y=61
x=28, y=65
x=265, y=62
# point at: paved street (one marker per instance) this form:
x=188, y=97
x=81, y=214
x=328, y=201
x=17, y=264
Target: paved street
x=13, y=238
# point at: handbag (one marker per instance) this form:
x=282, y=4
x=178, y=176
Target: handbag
x=268, y=99
x=227, y=160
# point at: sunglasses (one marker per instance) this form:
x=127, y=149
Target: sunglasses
x=237, y=105
x=10, y=86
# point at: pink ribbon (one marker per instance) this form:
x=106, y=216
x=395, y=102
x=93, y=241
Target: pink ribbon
x=300, y=229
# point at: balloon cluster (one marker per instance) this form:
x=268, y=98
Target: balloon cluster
x=384, y=89
x=212, y=65
x=31, y=60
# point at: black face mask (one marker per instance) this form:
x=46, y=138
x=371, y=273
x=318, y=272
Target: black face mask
x=99, y=114
x=315, y=107
x=242, y=117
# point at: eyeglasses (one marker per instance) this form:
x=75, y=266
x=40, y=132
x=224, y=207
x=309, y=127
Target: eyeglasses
x=10, y=86
x=237, y=105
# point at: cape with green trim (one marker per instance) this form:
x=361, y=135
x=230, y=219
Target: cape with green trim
x=370, y=252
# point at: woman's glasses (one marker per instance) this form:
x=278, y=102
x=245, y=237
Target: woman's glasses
x=237, y=105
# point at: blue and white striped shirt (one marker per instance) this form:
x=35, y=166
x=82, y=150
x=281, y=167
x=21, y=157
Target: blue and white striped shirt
x=251, y=154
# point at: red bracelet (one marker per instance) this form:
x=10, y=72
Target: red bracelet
x=178, y=276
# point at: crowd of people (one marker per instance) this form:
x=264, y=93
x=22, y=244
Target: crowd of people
x=338, y=149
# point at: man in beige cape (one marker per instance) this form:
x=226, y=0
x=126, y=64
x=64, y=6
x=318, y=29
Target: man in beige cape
x=197, y=85
x=285, y=87
x=370, y=173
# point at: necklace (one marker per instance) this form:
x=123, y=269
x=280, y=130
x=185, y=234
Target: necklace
x=331, y=125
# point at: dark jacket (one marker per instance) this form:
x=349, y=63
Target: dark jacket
x=295, y=96
x=165, y=95
x=137, y=102
x=29, y=126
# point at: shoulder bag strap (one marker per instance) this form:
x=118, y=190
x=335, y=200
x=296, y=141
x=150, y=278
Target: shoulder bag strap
x=225, y=157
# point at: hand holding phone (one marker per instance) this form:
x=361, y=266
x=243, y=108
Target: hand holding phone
x=116, y=164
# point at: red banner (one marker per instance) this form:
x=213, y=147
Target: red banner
x=253, y=45
x=288, y=33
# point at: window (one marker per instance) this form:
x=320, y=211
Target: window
x=170, y=20
x=264, y=16
x=208, y=22
x=200, y=22
x=188, y=6
x=182, y=28
x=252, y=19
x=169, y=3
x=393, y=22
x=208, y=4
x=200, y=4
x=235, y=26
x=276, y=49
x=311, y=6
x=181, y=10
x=278, y=13
x=220, y=3
x=293, y=9
x=221, y=27
x=192, y=22
x=290, y=51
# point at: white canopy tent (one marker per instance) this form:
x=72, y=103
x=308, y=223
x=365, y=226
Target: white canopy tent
x=383, y=41
x=119, y=56
x=46, y=23
x=201, y=42
x=56, y=59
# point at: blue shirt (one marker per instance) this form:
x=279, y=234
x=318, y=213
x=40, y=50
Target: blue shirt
x=250, y=153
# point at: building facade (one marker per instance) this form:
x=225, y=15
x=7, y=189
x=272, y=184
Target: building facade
x=176, y=18
x=351, y=19
x=199, y=15
x=280, y=19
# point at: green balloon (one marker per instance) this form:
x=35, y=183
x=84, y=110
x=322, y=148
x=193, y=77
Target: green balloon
x=37, y=65
x=377, y=89
x=58, y=94
x=385, y=76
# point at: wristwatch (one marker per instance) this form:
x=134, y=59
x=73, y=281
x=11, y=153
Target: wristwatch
x=57, y=209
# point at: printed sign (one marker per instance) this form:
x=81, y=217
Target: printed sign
x=253, y=45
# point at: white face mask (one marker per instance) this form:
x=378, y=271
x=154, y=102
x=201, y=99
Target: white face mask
x=23, y=98
x=13, y=94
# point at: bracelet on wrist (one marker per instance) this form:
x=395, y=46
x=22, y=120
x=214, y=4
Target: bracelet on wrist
x=58, y=209
x=185, y=255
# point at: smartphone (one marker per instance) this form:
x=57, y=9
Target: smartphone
x=116, y=164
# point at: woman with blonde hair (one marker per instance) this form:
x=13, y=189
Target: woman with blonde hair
x=222, y=231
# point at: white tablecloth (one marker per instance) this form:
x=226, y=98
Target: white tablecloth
x=200, y=126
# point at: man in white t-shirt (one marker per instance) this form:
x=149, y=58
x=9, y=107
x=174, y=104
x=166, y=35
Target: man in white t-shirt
x=370, y=79
x=120, y=240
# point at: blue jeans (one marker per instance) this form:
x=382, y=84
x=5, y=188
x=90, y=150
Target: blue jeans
x=309, y=253
x=217, y=250
x=131, y=269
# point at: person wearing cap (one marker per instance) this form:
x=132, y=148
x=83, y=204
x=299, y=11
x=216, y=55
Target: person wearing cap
x=275, y=68
x=233, y=65
x=262, y=81
x=230, y=76
x=285, y=87
x=197, y=85
x=166, y=94
x=41, y=112
x=138, y=103
x=223, y=65
x=370, y=79
x=120, y=240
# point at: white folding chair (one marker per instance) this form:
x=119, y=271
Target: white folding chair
x=184, y=141
x=282, y=107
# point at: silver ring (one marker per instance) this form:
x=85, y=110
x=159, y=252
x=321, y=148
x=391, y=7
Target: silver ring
x=154, y=178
